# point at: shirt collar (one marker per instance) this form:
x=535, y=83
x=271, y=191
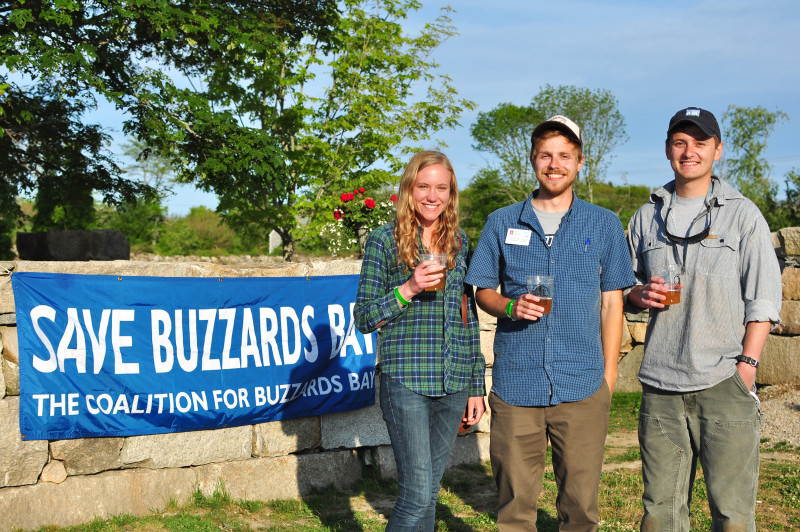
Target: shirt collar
x=720, y=193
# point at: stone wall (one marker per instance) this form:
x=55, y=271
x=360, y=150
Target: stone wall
x=65, y=482
x=781, y=356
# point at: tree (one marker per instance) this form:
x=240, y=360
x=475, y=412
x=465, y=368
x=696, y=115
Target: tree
x=283, y=128
x=141, y=219
x=623, y=200
x=45, y=146
x=792, y=180
x=278, y=106
x=46, y=149
x=745, y=132
x=119, y=49
x=148, y=167
x=487, y=191
x=505, y=132
x=602, y=125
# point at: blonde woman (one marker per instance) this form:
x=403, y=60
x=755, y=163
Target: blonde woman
x=431, y=366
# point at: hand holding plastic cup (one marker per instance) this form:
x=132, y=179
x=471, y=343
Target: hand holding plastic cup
x=441, y=259
x=671, y=273
x=542, y=287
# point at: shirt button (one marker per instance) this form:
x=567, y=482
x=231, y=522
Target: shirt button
x=548, y=340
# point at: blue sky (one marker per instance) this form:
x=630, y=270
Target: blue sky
x=655, y=57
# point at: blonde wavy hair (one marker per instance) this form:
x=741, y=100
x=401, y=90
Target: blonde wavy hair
x=446, y=237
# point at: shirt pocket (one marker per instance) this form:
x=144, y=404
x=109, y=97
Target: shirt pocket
x=719, y=257
x=655, y=253
x=583, y=264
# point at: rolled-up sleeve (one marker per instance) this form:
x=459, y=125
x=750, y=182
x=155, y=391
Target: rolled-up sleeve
x=761, y=275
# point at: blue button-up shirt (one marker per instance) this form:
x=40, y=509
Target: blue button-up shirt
x=558, y=358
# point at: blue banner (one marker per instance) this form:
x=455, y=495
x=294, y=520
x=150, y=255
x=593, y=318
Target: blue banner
x=104, y=355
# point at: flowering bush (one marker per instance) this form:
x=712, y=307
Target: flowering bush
x=354, y=218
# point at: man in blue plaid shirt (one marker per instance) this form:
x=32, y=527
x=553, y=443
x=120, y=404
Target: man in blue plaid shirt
x=553, y=373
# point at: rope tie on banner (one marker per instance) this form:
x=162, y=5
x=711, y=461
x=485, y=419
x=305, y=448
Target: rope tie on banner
x=6, y=274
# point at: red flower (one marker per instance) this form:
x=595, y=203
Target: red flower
x=370, y=203
x=346, y=197
x=337, y=214
x=361, y=190
x=393, y=198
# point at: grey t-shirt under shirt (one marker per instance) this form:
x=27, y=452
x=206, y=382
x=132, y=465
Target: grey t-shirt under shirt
x=683, y=212
x=550, y=222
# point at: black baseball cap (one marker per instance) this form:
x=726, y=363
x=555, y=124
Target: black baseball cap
x=699, y=117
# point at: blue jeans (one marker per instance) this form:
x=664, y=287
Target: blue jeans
x=720, y=426
x=423, y=431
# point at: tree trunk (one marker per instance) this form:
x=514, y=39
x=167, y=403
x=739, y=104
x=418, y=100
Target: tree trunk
x=288, y=246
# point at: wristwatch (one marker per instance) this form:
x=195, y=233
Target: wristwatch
x=747, y=360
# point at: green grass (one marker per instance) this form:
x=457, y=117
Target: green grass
x=468, y=500
x=630, y=454
x=624, y=412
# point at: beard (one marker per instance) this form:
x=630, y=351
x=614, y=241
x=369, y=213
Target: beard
x=553, y=189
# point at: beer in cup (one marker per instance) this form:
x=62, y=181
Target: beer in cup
x=542, y=286
x=440, y=258
x=671, y=274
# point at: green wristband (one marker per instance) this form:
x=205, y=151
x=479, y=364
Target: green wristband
x=510, y=309
x=399, y=297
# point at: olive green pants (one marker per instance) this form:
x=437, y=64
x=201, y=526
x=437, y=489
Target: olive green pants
x=720, y=426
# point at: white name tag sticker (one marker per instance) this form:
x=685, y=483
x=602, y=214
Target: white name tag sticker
x=518, y=237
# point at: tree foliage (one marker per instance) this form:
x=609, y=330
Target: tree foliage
x=120, y=50
x=487, y=191
x=602, y=126
x=745, y=134
x=792, y=205
x=505, y=132
x=56, y=56
x=282, y=128
x=46, y=150
x=278, y=106
x=623, y=200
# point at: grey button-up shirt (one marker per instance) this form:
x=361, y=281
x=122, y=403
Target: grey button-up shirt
x=732, y=277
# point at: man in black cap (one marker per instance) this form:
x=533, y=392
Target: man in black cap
x=699, y=368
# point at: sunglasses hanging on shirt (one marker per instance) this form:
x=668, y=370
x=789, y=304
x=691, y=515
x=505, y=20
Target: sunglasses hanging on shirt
x=686, y=240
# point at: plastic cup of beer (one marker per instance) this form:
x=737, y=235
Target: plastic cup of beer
x=440, y=258
x=671, y=274
x=542, y=287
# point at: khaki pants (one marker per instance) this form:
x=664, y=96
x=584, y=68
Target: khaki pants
x=577, y=433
